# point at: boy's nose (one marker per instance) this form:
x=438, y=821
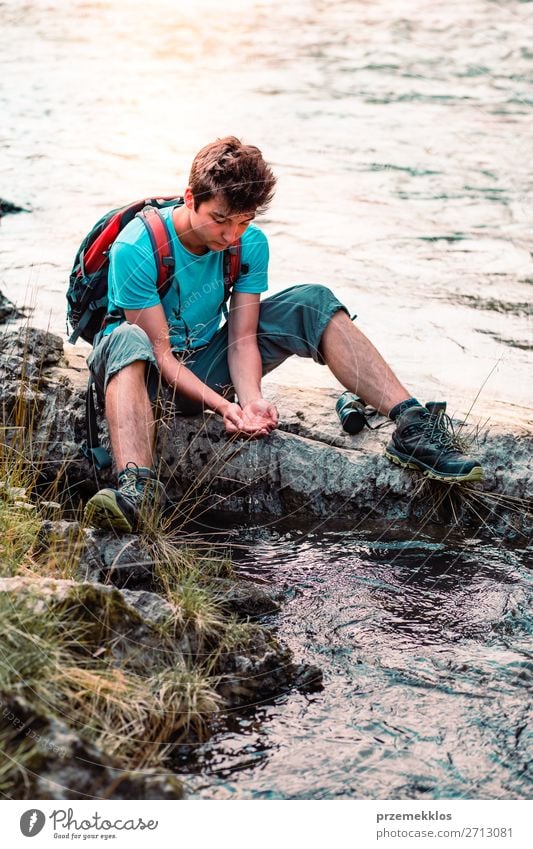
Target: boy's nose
x=229, y=234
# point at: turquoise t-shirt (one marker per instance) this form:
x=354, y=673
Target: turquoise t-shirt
x=193, y=305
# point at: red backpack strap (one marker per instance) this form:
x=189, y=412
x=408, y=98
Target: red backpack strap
x=161, y=246
x=96, y=255
x=235, y=254
x=232, y=267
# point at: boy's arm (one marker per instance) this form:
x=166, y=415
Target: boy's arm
x=244, y=360
x=154, y=323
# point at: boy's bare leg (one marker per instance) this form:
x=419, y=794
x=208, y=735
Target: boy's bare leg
x=130, y=417
x=422, y=439
x=359, y=366
x=131, y=429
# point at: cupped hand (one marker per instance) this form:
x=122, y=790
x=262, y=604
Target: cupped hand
x=261, y=413
x=256, y=419
x=232, y=418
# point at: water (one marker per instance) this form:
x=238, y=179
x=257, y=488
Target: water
x=426, y=651
x=400, y=134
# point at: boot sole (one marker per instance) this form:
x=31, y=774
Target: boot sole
x=475, y=474
x=102, y=511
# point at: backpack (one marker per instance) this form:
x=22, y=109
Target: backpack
x=88, y=282
x=88, y=285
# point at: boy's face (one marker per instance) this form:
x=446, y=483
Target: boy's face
x=213, y=225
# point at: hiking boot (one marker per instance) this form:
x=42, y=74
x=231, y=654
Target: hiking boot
x=139, y=497
x=425, y=440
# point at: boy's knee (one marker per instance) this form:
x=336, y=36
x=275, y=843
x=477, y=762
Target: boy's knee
x=130, y=333
x=321, y=292
x=312, y=295
x=127, y=346
x=135, y=368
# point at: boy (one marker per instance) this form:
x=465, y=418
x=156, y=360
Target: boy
x=178, y=340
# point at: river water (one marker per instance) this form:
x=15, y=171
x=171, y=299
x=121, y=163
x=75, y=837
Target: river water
x=401, y=136
x=400, y=133
x=425, y=644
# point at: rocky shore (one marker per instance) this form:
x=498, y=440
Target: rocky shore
x=107, y=676
x=49, y=736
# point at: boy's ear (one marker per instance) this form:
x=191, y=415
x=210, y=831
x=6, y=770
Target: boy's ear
x=188, y=197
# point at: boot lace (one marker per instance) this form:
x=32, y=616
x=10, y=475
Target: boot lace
x=132, y=481
x=439, y=429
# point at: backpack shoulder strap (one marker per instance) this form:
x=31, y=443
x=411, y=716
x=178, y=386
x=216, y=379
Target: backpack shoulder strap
x=161, y=245
x=234, y=253
x=233, y=268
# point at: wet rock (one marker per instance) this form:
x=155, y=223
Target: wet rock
x=308, y=678
x=9, y=208
x=250, y=677
x=8, y=309
x=246, y=599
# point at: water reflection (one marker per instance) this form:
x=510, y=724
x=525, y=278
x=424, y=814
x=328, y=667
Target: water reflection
x=425, y=648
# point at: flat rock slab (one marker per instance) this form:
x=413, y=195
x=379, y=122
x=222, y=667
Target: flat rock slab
x=309, y=466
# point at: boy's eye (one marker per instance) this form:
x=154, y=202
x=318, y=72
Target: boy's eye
x=222, y=220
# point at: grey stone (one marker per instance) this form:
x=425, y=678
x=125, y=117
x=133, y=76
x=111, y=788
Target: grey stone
x=245, y=598
x=120, y=560
x=308, y=467
x=248, y=679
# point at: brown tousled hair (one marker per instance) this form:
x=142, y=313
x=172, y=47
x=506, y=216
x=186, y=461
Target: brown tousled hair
x=234, y=170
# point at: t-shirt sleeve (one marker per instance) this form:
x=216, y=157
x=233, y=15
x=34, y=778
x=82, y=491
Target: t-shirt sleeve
x=255, y=254
x=132, y=270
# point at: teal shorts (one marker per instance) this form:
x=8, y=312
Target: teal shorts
x=291, y=322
